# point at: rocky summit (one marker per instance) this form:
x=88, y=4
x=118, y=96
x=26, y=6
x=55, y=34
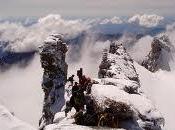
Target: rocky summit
x=52, y=55
x=155, y=60
x=118, y=95
x=115, y=99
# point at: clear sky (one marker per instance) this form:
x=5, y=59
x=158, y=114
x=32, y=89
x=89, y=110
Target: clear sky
x=86, y=8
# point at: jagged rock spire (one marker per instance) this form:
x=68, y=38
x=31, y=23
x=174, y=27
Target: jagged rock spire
x=52, y=56
x=153, y=61
x=115, y=99
x=104, y=64
x=118, y=94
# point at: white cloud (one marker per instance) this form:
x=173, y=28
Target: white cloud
x=141, y=48
x=88, y=57
x=146, y=20
x=114, y=20
x=29, y=38
x=21, y=91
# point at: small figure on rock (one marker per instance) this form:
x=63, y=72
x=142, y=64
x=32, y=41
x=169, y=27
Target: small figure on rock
x=77, y=99
x=71, y=80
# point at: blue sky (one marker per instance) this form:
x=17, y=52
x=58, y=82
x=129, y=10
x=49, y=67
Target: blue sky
x=86, y=8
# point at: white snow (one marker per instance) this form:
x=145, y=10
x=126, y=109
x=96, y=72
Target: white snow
x=121, y=65
x=112, y=88
x=160, y=89
x=140, y=103
x=21, y=92
x=67, y=123
x=10, y=122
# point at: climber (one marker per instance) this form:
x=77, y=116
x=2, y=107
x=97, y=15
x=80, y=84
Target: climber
x=77, y=99
x=90, y=116
x=75, y=89
x=85, y=83
x=80, y=73
x=82, y=79
x=68, y=108
x=71, y=80
x=88, y=85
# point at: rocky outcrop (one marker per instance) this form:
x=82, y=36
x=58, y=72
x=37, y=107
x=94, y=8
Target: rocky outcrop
x=115, y=100
x=154, y=60
x=52, y=55
x=118, y=93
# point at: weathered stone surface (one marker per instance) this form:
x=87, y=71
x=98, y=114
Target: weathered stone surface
x=117, y=64
x=118, y=97
x=52, y=55
x=115, y=100
x=153, y=61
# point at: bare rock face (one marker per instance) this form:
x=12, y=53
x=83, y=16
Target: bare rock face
x=118, y=64
x=118, y=97
x=154, y=60
x=52, y=56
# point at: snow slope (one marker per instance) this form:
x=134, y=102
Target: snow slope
x=120, y=84
x=10, y=122
x=21, y=93
x=159, y=87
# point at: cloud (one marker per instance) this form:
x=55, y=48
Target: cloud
x=114, y=20
x=171, y=33
x=21, y=91
x=160, y=84
x=29, y=38
x=146, y=20
x=141, y=48
x=88, y=56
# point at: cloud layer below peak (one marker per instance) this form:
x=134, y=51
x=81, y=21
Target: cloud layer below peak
x=146, y=20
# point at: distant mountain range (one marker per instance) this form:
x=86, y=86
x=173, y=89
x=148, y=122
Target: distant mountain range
x=98, y=31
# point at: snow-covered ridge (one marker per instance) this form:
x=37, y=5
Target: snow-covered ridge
x=117, y=93
x=120, y=84
x=10, y=122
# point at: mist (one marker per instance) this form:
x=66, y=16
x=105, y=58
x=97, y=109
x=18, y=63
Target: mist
x=21, y=93
x=88, y=57
x=158, y=86
x=20, y=89
x=28, y=38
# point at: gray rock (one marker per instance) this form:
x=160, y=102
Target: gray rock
x=52, y=56
x=117, y=95
x=115, y=100
x=154, y=59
